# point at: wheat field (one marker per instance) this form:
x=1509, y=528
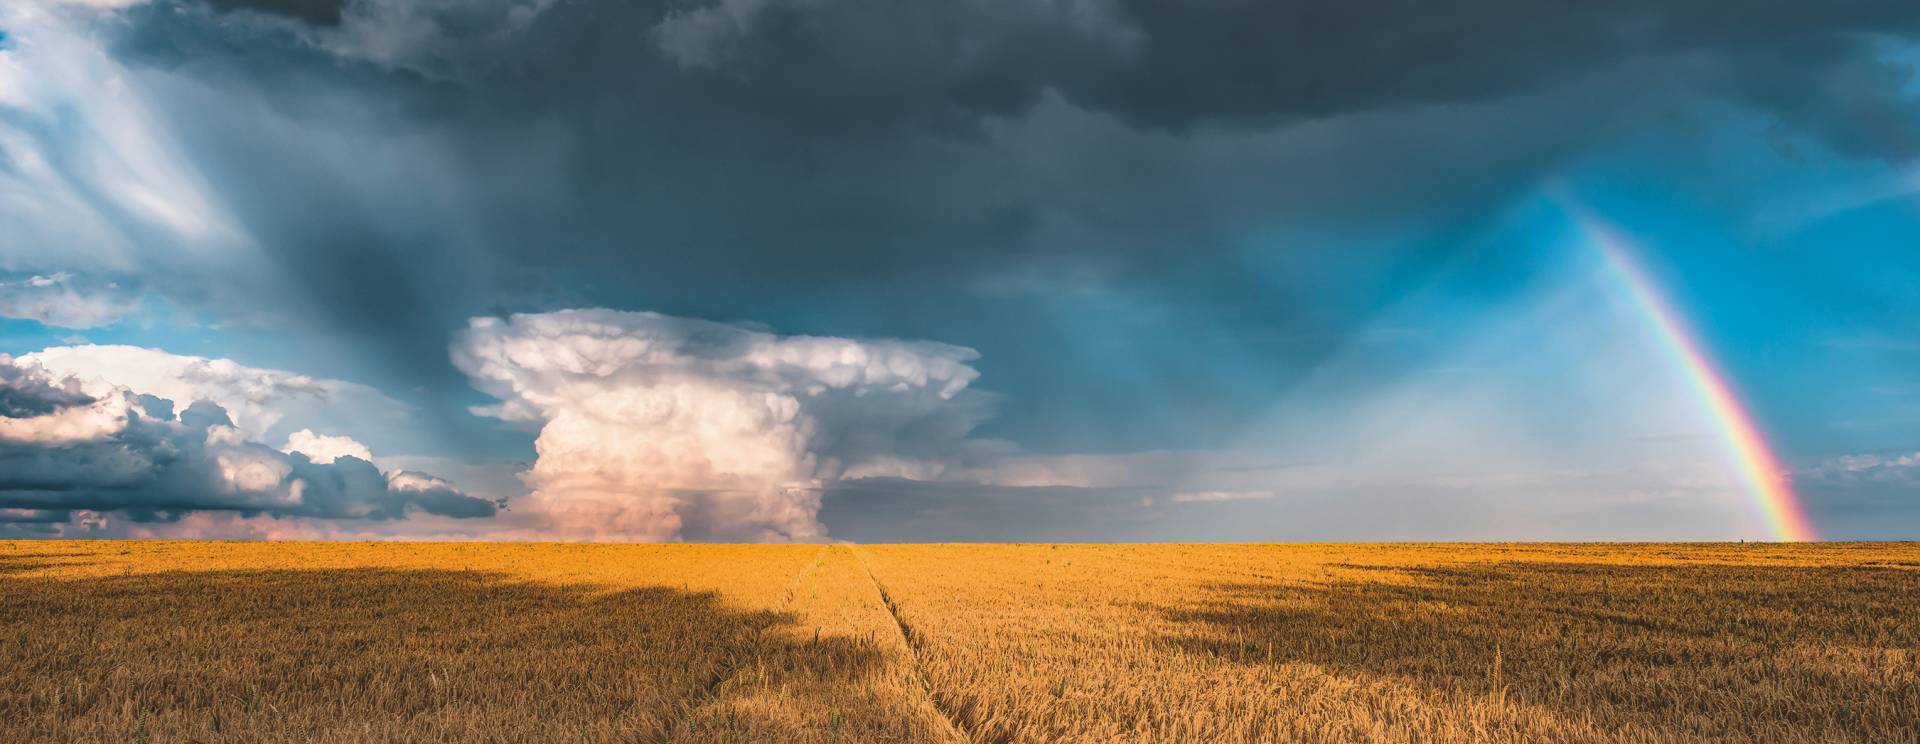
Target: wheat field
x=335, y=642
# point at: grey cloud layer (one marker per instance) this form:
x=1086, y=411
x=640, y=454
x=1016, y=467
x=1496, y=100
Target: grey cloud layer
x=851, y=64
x=650, y=145
x=65, y=448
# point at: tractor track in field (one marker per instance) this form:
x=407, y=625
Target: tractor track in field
x=955, y=724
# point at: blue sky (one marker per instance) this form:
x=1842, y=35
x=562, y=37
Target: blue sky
x=798, y=271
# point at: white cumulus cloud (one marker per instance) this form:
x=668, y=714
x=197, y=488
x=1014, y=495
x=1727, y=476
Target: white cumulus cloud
x=257, y=399
x=324, y=449
x=78, y=452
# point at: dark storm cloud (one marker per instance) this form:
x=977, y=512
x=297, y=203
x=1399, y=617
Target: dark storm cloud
x=840, y=69
x=752, y=138
x=316, y=12
x=1835, y=87
x=1247, y=59
x=61, y=451
x=856, y=68
x=741, y=136
x=402, y=166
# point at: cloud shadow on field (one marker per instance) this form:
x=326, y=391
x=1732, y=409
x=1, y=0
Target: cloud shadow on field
x=1691, y=651
x=373, y=654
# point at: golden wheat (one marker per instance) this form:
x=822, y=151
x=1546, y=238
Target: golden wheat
x=168, y=641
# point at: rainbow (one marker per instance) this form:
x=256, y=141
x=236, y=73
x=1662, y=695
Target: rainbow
x=1765, y=478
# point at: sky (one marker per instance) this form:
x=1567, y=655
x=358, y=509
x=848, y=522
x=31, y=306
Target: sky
x=1013, y=270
